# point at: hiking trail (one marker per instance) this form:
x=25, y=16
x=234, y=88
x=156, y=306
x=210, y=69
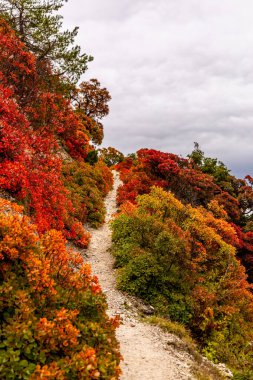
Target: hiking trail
x=148, y=352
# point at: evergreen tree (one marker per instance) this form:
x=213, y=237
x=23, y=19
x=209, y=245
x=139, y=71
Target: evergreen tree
x=39, y=26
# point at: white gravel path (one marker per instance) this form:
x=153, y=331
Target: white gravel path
x=145, y=348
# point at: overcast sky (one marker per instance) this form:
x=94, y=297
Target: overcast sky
x=178, y=71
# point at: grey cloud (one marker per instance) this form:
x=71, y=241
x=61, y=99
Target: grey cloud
x=109, y=10
x=178, y=71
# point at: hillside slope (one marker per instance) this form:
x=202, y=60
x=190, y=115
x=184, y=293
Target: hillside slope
x=148, y=352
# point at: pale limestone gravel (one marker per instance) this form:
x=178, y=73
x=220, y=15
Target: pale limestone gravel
x=147, y=351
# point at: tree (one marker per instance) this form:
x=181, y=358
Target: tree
x=246, y=198
x=197, y=155
x=111, y=156
x=212, y=166
x=39, y=27
x=17, y=66
x=91, y=102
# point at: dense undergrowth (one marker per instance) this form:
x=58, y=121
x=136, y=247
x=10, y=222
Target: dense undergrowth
x=177, y=243
x=182, y=240
x=37, y=121
x=53, y=313
x=87, y=187
x=53, y=321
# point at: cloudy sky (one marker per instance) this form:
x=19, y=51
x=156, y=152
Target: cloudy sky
x=178, y=71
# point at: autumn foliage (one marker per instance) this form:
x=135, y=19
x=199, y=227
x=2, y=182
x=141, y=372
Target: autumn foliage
x=182, y=260
x=180, y=241
x=37, y=123
x=194, y=183
x=54, y=323
x=91, y=104
x=87, y=186
x=53, y=313
x=111, y=156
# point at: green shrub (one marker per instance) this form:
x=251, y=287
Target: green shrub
x=87, y=187
x=182, y=261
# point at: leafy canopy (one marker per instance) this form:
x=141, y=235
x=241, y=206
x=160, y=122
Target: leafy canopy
x=39, y=27
x=91, y=103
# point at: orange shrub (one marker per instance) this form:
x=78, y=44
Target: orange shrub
x=54, y=322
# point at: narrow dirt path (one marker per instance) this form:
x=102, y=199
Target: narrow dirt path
x=148, y=352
